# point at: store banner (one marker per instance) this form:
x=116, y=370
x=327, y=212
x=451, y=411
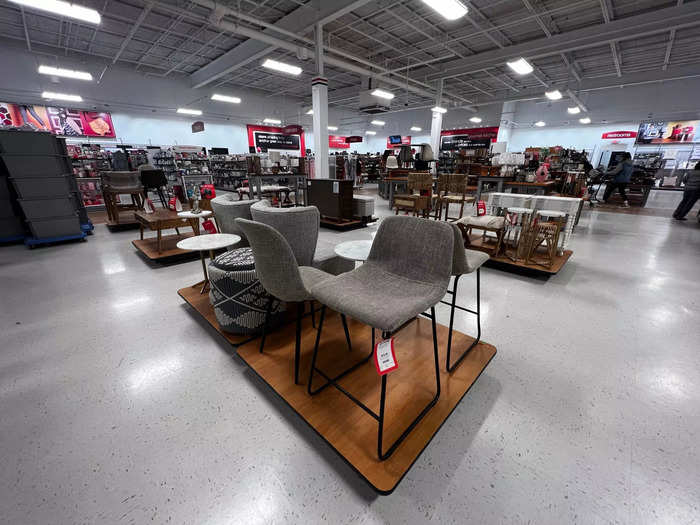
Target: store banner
x=398, y=140
x=262, y=139
x=353, y=138
x=338, y=142
x=468, y=138
x=669, y=132
x=620, y=135
x=197, y=127
x=293, y=130
x=57, y=120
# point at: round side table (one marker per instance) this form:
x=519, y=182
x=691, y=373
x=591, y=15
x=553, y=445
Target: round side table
x=193, y=218
x=353, y=250
x=208, y=243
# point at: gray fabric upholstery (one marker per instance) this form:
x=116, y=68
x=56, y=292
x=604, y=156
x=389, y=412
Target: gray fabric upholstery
x=407, y=272
x=227, y=210
x=299, y=226
x=465, y=261
x=276, y=265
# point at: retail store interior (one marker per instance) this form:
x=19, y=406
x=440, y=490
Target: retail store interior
x=371, y=261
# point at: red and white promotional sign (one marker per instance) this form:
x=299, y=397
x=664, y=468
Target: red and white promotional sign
x=384, y=356
x=620, y=135
x=392, y=142
x=266, y=138
x=337, y=142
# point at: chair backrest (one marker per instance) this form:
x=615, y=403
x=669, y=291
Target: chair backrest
x=121, y=180
x=420, y=182
x=226, y=210
x=458, y=183
x=275, y=264
x=415, y=248
x=153, y=178
x=299, y=226
x=443, y=184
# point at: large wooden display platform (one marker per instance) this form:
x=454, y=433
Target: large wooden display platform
x=478, y=243
x=168, y=248
x=348, y=429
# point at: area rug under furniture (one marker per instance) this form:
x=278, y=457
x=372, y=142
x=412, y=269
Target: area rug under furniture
x=348, y=429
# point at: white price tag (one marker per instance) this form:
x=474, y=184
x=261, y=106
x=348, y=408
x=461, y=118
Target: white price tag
x=384, y=357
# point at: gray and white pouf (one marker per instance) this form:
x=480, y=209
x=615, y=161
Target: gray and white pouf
x=238, y=298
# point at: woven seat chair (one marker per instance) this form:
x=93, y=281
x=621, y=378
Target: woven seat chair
x=406, y=273
x=455, y=192
x=419, y=197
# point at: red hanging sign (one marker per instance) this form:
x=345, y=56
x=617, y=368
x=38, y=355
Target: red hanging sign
x=353, y=138
x=292, y=129
x=620, y=135
x=337, y=142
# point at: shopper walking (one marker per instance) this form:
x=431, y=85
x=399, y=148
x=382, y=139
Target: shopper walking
x=691, y=193
x=622, y=174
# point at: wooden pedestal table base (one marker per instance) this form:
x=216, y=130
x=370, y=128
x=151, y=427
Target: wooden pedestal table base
x=348, y=429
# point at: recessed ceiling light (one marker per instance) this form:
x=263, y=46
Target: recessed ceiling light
x=383, y=94
x=377, y=122
x=187, y=111
x=555, y=94
x=584, y=120
x=521, y=66
x=61, y=96
x=575, y=110
x=226, y=98
x=310, y=112
x=416, y=128
x=438, y=109
x=370, y=132
x=67, y=73
x=281, y=66
x=63, y=8
x=272, y=121
x=475, y=120
x=540, y=124
x=332, y=128
x=450, y=9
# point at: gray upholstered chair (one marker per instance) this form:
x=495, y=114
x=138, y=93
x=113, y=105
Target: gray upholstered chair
x=464, y=262
x=277, y=269
x=227, y=210
x=299, y=226
x=407, y=272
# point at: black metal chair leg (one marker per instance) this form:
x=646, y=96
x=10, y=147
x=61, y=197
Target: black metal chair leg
x=297, y=343
x=268, y=312
x=347, y=332
x=382, y=402
x=313, y=314
x=313, y=357
x=450, y=368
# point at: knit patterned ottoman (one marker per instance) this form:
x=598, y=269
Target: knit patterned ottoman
x=238, y=298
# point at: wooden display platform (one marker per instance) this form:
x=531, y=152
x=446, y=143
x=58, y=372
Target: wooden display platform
x=342, y=224
x=348, y=429
x=478, y=243
x=168, y=247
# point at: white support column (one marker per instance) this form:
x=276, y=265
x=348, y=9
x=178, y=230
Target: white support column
x=436, y=127
x=507, y=118
x=319, y=98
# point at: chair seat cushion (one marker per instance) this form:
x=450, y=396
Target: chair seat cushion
x=473, y=261
x=325, y=259
x=458, y=198
x=312, y=277
x=485, y=221
x=376, y=297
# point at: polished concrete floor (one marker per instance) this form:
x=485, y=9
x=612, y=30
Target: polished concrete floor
x=117, y=405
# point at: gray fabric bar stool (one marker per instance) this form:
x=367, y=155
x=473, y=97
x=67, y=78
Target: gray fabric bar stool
x=407, y=272
x=281, y=276
x=464, y=262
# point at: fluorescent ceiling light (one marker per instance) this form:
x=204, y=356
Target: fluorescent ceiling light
x=62, y=8
x=61, y=96
x=416, y=128
x=226, y=98
x=521, y=66
x=450, y=9
x=383, y=94
x=67, y=73
x=575, y=110
x=186, y=111
x=370, y=132
x=310, y=112
x=438, y=109
x=378, y=122
x=332, y=128
x=540, y=124
x=555, y=94
x=281, y=66
x=272, y=121
x=475, y=120
x=584, y=120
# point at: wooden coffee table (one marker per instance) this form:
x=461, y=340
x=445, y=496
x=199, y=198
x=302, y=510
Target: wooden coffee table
x=158, y=221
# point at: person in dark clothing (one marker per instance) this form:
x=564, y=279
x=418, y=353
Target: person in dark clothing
x=622, y=174
x=691, y=194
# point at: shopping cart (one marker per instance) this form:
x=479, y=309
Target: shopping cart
x=596, y=180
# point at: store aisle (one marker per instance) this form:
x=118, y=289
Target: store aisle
x=118, y=405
